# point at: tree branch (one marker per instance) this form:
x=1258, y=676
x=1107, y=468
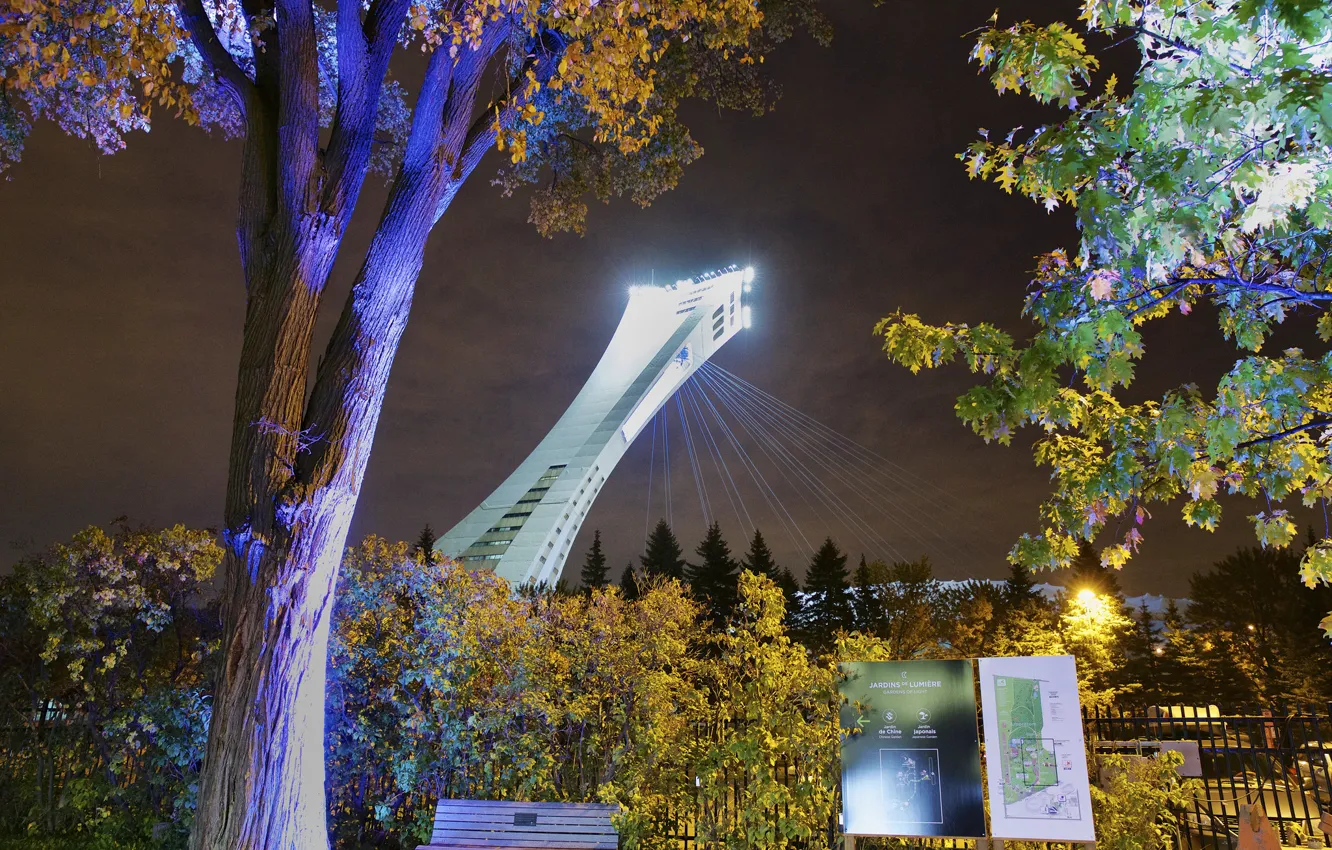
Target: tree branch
x=363, y=59
x=298, y=108
x=384, y=22
x=480, y=135
x=344, y=405
x=220, y=62
x=259, y=16
x=1281, y=435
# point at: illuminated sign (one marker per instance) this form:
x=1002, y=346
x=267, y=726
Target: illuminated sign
x=910, y=750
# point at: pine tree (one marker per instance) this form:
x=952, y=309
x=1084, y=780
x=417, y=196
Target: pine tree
x=1178, y=677
x=595, y=573
x=663, y=557
x=1144, y=654
x=910, y=595
x=759, y=558
x=1019, y=589
x=425, y=546
x=1254, y=607
x=791, y=590
x=869, y=610
x=1087, y=573
x=712, y=581
x=828, y=608
x=629, y=582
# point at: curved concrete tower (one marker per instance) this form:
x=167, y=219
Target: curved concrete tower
x=524, y=529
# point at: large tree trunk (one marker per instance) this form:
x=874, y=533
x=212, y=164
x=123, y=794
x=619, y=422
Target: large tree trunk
x=295, y=473
x=263, y=783
x=297, y=464
x=264, y=787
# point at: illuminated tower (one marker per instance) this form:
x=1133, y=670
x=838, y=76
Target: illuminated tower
x=524, y=529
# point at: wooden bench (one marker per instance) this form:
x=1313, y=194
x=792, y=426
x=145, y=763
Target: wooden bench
x=524, y=826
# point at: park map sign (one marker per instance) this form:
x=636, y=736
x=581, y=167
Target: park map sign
x=1035, y=757
x=910, y=751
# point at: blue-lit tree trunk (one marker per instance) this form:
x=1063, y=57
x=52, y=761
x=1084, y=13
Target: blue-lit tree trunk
x=297, y=461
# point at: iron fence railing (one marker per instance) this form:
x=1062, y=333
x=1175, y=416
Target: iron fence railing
x=1279, y=758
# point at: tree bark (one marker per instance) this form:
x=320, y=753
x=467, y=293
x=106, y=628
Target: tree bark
x=297, y=464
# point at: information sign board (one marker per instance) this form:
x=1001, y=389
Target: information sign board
x=910, y=751
x=1035, y=757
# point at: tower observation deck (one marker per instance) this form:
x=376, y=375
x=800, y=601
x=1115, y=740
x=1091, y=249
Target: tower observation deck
x=523, y=530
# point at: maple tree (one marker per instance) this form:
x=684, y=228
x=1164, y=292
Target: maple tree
x=585, y=99
x=1206, y=181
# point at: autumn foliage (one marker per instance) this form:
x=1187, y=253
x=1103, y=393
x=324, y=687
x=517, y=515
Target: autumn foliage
x=444, y=683
x=1203, y=182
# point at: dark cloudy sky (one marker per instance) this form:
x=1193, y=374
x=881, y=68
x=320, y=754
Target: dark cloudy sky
x=121, y=304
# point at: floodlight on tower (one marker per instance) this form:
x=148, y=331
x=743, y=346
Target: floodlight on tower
x=523, y=531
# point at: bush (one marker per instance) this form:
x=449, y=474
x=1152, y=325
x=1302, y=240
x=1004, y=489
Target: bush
x=1133, y=802
x=444, y=684
x=109, y=656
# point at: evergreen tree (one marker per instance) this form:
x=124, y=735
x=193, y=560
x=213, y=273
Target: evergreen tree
x=594, y=572
x=629, y=582
x=1096, y=628
x=712, y=581
x=1145, y=652
x=1019, y=589
x=828, y=608
x=966, y=617
x=1211, y=669
x=1254, y=607
x=1195, y=669
x=663, y=557
x=791, y=590
x=869, y=584
x=910, y=597
x=759, y=558
x=425, y=546
x=1088, y=573
x=1029, y=630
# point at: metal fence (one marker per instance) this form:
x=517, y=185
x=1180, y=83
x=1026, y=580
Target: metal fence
x=1278, y=758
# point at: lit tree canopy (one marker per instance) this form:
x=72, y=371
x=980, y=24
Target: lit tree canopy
x=588, y=103
x=1206, y=182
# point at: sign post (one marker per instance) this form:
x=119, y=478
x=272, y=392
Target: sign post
x=1035, y=756
x=910, y=751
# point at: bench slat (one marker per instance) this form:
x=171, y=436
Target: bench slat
x=504, y=817
x=505, y=804
x=507, y=818
x=520, y=839
x=489, y=825
x=536, y=835
x=539, y=826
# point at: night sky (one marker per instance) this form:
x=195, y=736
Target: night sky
x=122, y=308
